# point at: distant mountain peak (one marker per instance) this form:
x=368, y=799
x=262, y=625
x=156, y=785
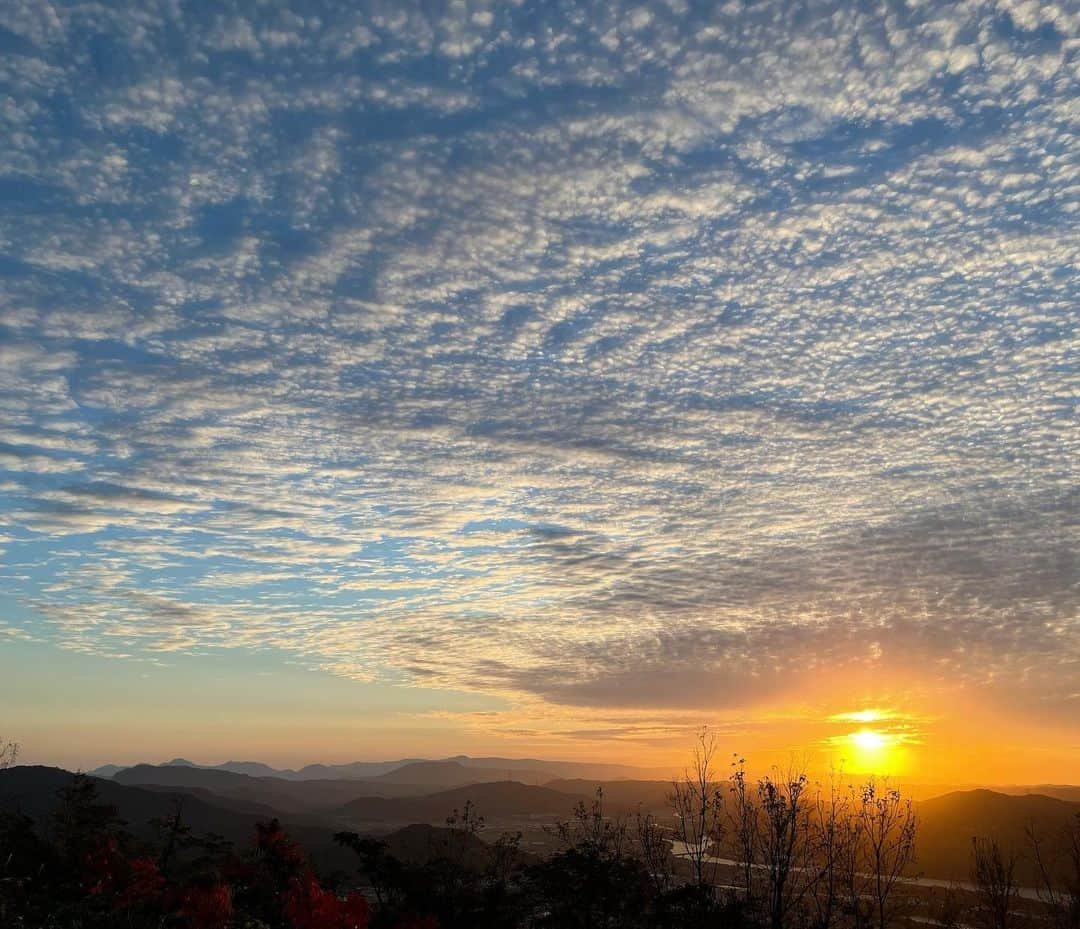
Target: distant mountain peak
x=106, y=770
x=455, y=770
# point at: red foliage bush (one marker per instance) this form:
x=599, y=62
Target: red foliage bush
x=309, y=906
x=207, y=907
x=103, y=867
x=144, y=883
x=274, y=845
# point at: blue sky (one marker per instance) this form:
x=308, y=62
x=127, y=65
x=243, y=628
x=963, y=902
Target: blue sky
x=594, y=362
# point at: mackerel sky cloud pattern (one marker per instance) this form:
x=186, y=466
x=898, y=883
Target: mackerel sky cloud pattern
x=622, y=346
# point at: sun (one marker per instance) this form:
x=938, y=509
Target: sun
x=873, y=740
x=876, y=745
x=867, y=740
x=873, y=751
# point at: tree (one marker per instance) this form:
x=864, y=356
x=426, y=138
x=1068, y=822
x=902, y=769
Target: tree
x=654, y=850
x=207, y=907
x=454, y=873
x=590, y=827
x=382, y=870
x=784, y=838
x=28, y=868
x=992, y=875
x=588, y=887
x=886, y=828
x=875, y=848
x=84, y=830
x=273, y=863
x=308, y=905
x=946, y=907
x=698, y=805
x=743, y=817
x=462, y=830
x=829, y=832
x=591, y=882
x=505, y=858
x=1058, y=869
x=173, y=833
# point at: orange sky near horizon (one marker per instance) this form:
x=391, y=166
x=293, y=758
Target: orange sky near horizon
x=289, y=717
x=540, y=379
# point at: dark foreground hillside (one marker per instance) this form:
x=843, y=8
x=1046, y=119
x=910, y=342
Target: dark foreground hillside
x=948, y=824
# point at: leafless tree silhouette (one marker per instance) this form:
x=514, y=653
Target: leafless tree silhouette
x=654, y=850
x=992, y=874
x=591, y=827
x=879, y=847
x=698, y=804
x=1057, y=865
x=743, y=819
x=784, y=840
x=829, y=831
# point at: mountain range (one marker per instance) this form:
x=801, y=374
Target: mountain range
x=423, y=770
x=228, y=803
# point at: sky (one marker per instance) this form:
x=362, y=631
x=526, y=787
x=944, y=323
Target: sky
x=385, y=379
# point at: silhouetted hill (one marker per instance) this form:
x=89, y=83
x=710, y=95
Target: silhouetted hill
x=1057, y=791
x=34, y=790
x=250, y=768
x=493, y=801
x=527, y=770
x=250, y=808
x=282, y=795
x=651, y=796
x=353, y=770
x=947, y=825
x=106, y=770
x=181, y=776
x=432, y=773
x=567, y=769
x=448, y=774
x=918, y=791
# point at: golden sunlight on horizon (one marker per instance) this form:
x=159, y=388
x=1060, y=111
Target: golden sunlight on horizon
x=878, y=746
x=873, y=751
x=902, y=726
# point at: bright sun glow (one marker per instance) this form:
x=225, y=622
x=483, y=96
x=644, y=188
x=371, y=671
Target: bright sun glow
x=863, y=716
x=873, y=751
x=867, y=740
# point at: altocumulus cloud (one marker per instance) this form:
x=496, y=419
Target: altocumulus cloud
x=681, y=345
